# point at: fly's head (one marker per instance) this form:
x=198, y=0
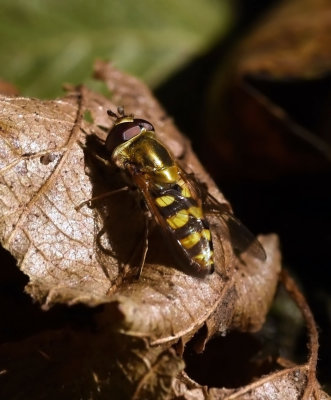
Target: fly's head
x=123, y=134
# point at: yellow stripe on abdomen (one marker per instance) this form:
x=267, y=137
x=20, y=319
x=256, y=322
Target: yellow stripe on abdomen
x=205, y=258
x=190, y=240
x=193, y=238
x=178, y=220
x=164, y=201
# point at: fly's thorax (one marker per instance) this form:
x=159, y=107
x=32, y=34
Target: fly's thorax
x=149, y=157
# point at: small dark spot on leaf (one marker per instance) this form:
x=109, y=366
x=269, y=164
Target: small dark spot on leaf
x=47, y=158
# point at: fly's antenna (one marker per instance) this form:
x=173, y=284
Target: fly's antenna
x=120, y=113
x=112, y=114
x=120, y=110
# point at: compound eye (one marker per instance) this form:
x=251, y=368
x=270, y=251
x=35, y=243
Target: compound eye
x=145, y=125
x=130, y=132
x=121, y=133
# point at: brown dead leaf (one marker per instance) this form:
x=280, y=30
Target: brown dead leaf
x=42, y=180
x=84, y=254
x=75, y=252
x=81, y=255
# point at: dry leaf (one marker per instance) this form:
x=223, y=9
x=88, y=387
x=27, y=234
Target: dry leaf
x=42, y=180
x=74, y=252
x=77, y=255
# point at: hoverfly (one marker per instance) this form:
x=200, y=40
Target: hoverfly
x=172, y=197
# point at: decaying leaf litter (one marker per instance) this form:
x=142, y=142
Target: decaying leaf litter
x=48, y=169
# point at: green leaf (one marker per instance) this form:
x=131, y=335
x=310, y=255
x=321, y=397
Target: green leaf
x=46, y=43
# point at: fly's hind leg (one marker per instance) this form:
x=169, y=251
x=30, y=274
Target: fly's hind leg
x=148, y=220
x=142, y=247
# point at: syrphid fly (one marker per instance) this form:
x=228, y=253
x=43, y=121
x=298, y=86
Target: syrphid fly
x=172, y=196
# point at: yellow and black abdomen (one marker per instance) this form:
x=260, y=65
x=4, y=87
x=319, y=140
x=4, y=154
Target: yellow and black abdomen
x=187, y=225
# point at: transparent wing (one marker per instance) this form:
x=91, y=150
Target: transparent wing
x=242, y=239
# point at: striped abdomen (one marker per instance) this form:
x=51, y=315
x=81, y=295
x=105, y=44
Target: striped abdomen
x=185, y=220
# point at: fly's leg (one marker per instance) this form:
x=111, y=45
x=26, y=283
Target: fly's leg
x=102, y=196
x=144, y=243
x=141, y=244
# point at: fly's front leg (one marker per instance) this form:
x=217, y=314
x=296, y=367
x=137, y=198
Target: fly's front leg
x=101, y=196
